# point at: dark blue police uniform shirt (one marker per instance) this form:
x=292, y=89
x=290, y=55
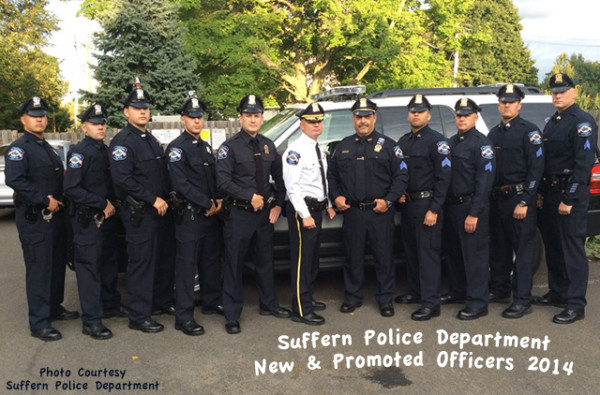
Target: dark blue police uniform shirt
x=570, y=148
x=88, y=180
x=519, y=156
x=428, y=157
x=32, y=172
x=473, y=166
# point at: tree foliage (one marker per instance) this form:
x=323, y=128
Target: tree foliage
x=142, y=40
x=25, y=70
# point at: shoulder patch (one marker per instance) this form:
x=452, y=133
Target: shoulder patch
x=223, y=150
x=15, y=153
x=75, y=161
x=119, y=152
x=293, y=158
x=443, y=147
x=487, y=152
x=174, y=154
x=584, y=129
x=535, y=137
x=398, y=152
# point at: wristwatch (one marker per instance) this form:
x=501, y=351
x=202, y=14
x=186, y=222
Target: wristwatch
x=523, y=203
x=389, y=204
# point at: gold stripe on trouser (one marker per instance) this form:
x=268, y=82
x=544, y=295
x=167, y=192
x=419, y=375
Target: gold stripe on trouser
x=299, y=264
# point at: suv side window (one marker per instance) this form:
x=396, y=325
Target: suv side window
x=449, y=126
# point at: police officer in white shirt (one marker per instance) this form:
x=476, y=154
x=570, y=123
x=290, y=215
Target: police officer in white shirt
x=304, y=174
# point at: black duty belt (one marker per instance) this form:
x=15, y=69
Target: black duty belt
x=418, y=195
x=364, y=206
x=314, y=204
x=555, y=183
x=507, y=191
x=458, y=199
x=247, y=205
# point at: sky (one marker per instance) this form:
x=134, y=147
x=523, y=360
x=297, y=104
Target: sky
x=549, y=28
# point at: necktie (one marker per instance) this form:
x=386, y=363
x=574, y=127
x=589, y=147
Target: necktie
x=360, y=171
x=207, y=171
x=258, y=162
x=322, y=169
x=52, y=154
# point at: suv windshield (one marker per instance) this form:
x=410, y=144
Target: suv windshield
x=275, y=126
x=538, y=113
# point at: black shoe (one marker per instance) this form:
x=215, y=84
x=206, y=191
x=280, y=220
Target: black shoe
x=233, y=327
x=349, y=307
x=121, y=312
x=425, y=313
x=386, y=310
x=97, y=331
x=47, y=334
x=208, y=310
x=549, y=299
x=148, y=326
x=169, y=310
x=65, y=315
x=407, y=299
x=309, y=319
x=318, y=306
x=495, y=297
x=568, y=316
x=278, y=312
x=449, y=299
x=468, y=314
x=516, y=310
x=190, y=328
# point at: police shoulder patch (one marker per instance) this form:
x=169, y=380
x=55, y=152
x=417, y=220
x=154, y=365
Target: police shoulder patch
x=75, y=161
x=535, y=137
x=119, y=152
x=487, y=152
x=584, y=129
x=15, y=153
x=293, y=158
x=443, y=147
x=223, y=150
x=174, y=154
x=398, y=152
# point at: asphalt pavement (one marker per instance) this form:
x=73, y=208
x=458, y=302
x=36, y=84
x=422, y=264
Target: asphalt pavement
x=352, y=353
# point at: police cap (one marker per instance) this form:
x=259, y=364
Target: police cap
x=137, y=98
x=510, y=93
x=193, y=108
x=34, y=106
x=251, y=104
x=312, y=113
x=363, y=107
x=466, y=106
x=561, y=82
x=94, y=114
x=418, y=103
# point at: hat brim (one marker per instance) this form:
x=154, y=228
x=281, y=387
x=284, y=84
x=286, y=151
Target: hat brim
x=363, y=113
x=252, y=110
x=418, y=108
x=508, y=99
x=36, y=113
x=465, y=111
x=559, y=89
x=194, y=114
x=138, y=105
x=96, y=120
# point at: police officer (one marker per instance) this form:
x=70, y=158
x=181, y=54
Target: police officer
x=197, y=227
x=570, y=143
x=304, y=174
x=367, y=174
x=139, y=172
x=466, y=223
x=89, y=187
x=244, y=164
x=520, y=164
x=428, y=158
x=35, y=172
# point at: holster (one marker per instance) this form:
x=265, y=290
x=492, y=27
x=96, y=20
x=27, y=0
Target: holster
x=136, y=209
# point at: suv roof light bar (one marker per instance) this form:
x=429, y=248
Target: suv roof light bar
x=340, y=93
x=465, y=91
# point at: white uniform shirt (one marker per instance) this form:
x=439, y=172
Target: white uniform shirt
x=302, y=173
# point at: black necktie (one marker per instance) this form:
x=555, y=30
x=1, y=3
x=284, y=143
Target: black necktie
x=360, y=171
x=258, y=162
x=207, y=171
x=322, y=169
x=56, y=162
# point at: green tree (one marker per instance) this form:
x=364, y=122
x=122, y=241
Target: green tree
x=142, y=40
x=25, y=70
x=501, y=55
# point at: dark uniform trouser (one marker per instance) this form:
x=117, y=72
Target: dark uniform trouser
x=508, y=234
x=379, y=229
x=150, y=267
x=564, y=240
x=467, y=255
x=243, y=228
x=198, y=251
x=44, y=251
x=422, y=245
x=304, y=259
x=96, y=268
